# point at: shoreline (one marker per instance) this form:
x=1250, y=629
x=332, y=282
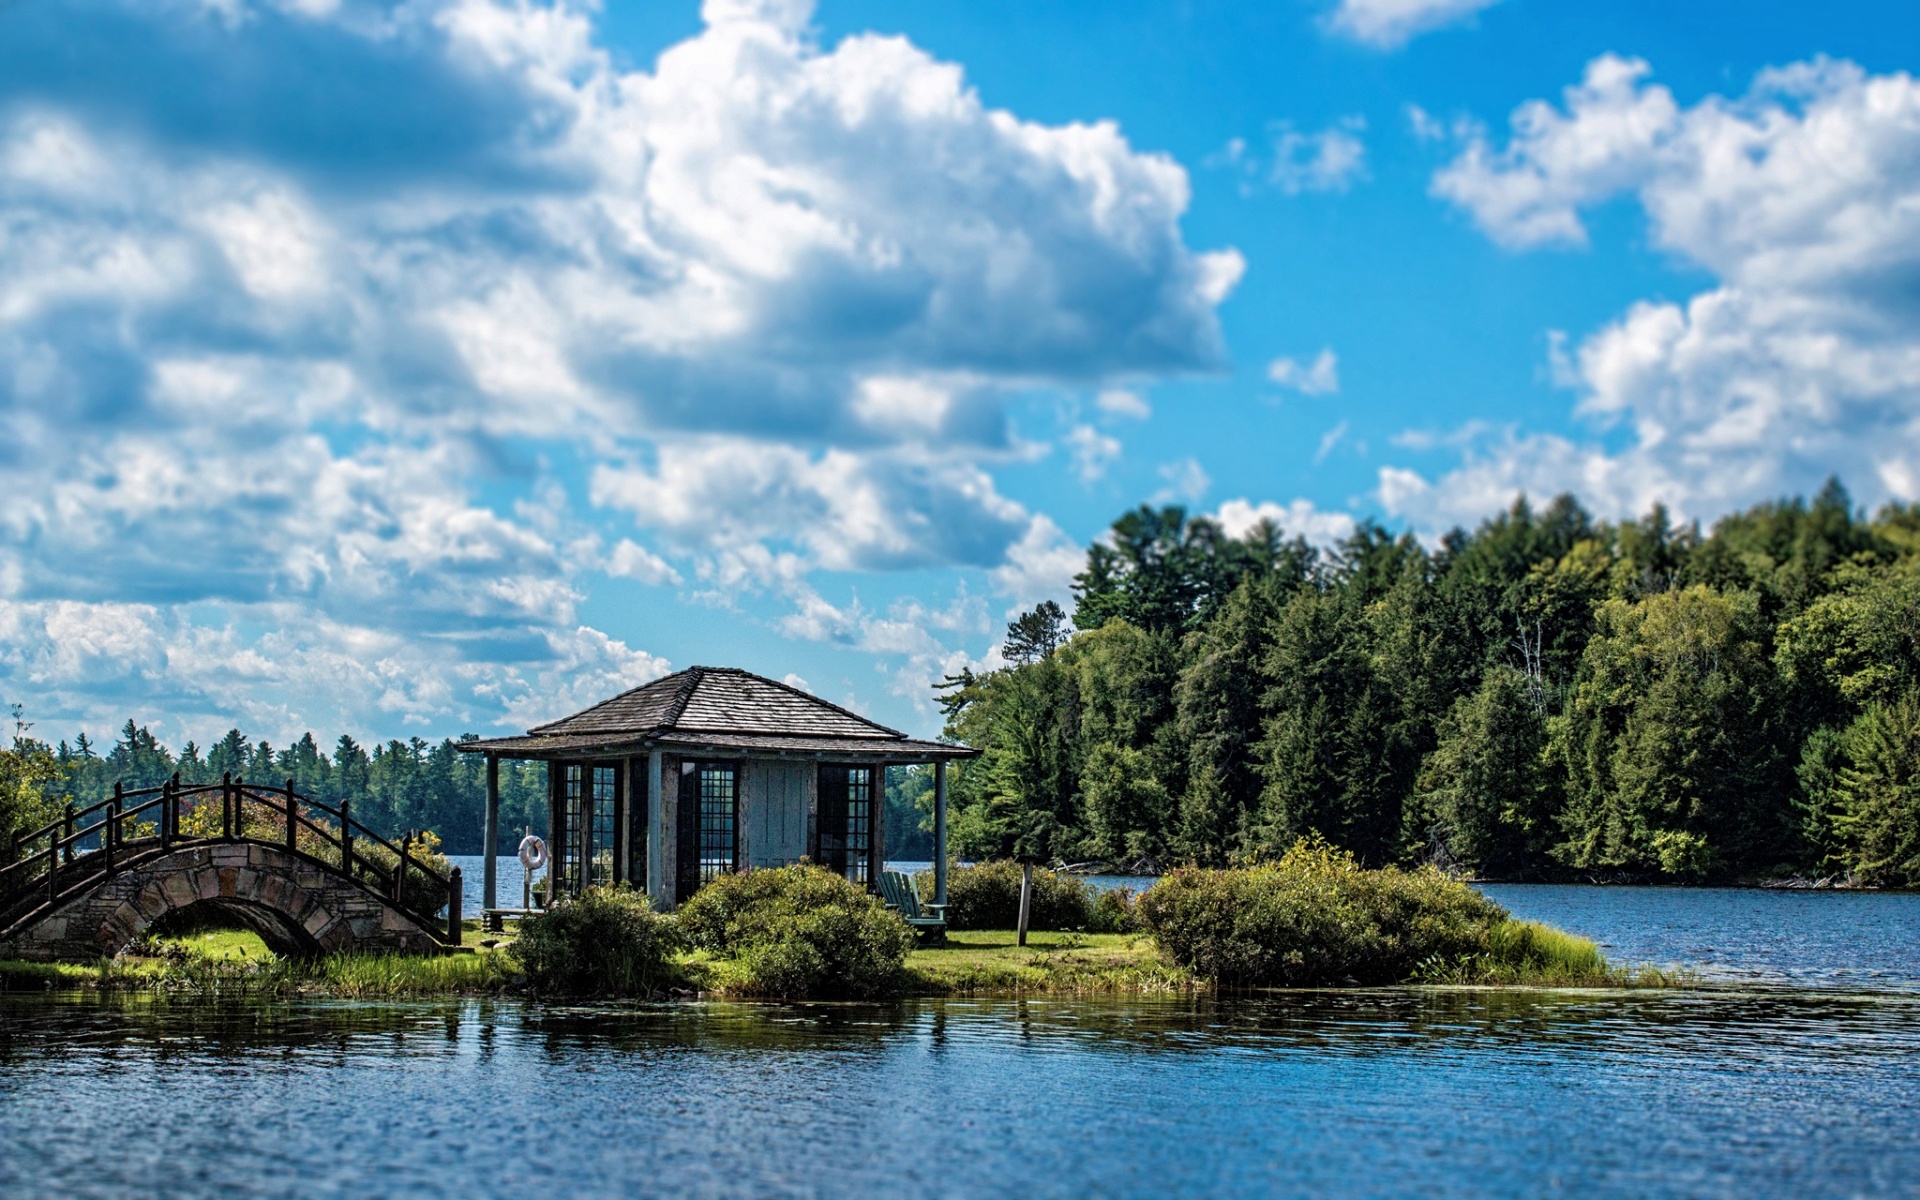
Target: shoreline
x=982, y=964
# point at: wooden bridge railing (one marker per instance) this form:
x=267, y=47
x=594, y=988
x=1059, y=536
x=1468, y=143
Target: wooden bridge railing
x=86, y=845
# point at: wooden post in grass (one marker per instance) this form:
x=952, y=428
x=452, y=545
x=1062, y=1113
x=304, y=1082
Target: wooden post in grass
x=1026, y=898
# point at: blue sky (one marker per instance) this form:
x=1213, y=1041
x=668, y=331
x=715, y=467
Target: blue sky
x=450, y=365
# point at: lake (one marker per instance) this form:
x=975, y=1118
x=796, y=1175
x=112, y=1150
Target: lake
x=1748, y=1088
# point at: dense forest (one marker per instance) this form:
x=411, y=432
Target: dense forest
x=1546, y=696
x=410, y=785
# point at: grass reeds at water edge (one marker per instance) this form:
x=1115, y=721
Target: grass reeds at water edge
x=190, y=974
x=1529, y=954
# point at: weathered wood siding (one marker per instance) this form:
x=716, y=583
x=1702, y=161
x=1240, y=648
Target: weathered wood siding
x=775, y=798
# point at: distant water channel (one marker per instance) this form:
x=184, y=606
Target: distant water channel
x=1798, y=1075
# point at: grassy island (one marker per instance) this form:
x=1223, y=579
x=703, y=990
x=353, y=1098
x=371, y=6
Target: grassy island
x=1312, y=919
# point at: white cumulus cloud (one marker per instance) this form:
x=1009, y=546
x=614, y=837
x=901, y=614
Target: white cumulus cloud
x=1802, y=199
x=288, y=390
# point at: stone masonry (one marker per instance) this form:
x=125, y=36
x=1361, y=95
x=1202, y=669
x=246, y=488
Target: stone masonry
x=297, y=905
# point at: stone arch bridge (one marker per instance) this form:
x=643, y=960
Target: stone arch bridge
x=305, y=876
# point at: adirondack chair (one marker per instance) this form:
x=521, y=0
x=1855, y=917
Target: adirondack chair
x=928, y=920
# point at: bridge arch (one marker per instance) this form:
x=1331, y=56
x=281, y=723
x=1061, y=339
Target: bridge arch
x=277, y=929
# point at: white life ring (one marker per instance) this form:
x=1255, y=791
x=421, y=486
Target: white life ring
x=533, y=852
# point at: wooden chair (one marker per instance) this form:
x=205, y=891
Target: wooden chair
x=927, y=920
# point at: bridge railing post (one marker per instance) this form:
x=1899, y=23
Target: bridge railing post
x=226, y=805
x=66, y=835
x=293, y=819
x=346, y=837
x=400, y=869
x=166, y=812
x=54, y=848
x=107, y=828
x=454, y=889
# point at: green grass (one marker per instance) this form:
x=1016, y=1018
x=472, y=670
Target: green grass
x=223, y=945
x=991, y=962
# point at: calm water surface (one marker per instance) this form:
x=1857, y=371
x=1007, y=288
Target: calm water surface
x=1748, y=1089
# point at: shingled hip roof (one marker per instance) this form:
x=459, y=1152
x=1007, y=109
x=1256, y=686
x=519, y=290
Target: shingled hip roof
x=719, y=706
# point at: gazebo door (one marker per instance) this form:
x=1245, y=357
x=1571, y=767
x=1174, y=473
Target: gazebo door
x=588, y=825
x=846, y=821
x=709, y=834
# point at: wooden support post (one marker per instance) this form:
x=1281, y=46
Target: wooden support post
x=226, y=805
x=54, y=847
x=66, y=835
x=400, y=867
x=556, y=821
x=1026, y=898
x=454, y=887
x=293, y=819
x=877, y=824
x=490, y=837
x=939, y=832
x=656, y=834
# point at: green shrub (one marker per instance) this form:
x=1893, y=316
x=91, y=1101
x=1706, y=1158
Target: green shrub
x=1316, y=918
x=607, y=941
x=987, y=896
x=1114, y=911
x=798, y=932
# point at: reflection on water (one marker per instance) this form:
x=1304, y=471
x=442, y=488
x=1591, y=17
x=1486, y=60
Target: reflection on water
x=1449, y=1092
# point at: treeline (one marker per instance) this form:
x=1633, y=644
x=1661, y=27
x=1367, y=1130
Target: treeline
x=1545, y=696
x=396, y=787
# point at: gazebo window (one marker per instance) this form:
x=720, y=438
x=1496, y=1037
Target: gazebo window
x=600, y=853
x=573, y=785
x=718, y=809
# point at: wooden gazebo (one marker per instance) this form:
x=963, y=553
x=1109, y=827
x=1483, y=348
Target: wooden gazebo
x=709, y=770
